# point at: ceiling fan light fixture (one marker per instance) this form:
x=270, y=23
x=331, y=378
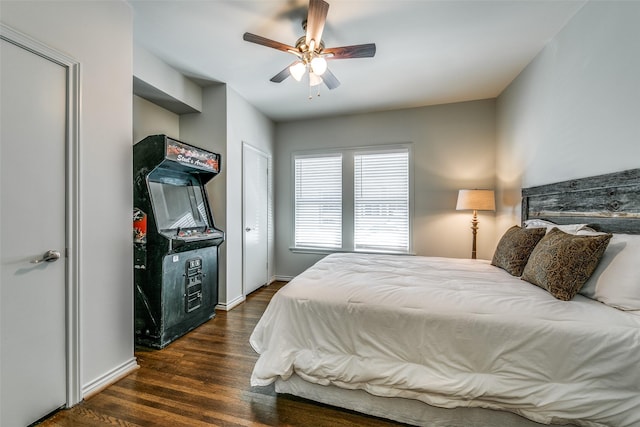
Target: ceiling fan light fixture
x=314, y=79
x=318, y=65
x=297, y=70
x=311, y=54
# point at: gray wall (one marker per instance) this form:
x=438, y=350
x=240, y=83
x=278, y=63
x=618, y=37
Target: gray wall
x=163, y=84
x=226, y=121
x=208, y=130
x=453, y=147
x=98, y=35
x=244, y=124
x=151, y=119
x=575, y=110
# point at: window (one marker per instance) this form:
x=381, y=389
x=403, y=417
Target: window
x=353, y=200
x=381, y=201
x=318, y=201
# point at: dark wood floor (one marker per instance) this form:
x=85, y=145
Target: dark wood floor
x=202, y=379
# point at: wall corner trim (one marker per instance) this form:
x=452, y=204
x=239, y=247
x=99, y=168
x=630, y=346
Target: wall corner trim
x=103, y=381
x=231, y=304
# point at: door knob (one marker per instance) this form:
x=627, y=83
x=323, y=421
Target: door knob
x=48, y=256
x=247, y=229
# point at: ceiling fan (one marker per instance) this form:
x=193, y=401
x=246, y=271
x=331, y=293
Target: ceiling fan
x=310, y=50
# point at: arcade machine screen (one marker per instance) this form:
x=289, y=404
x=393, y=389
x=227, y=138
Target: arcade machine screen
x=178, y=206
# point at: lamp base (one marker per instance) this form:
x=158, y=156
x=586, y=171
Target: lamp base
x=474, y=231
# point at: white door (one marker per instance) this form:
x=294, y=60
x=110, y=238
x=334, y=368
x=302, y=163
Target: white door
x=32, y=217
x=255, y=180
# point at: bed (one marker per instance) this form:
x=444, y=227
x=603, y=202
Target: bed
x=456, y=342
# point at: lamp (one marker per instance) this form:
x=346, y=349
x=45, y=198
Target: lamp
x=314, y=79
x=318, y=65
x=297, y=70
x=476, y=200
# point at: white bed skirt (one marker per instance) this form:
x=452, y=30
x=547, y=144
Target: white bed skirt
x=406, y=411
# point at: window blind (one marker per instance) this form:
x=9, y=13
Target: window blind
x=318, y=201
x=381, y=201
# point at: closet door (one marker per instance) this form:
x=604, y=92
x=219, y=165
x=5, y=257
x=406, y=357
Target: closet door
x=256, y=211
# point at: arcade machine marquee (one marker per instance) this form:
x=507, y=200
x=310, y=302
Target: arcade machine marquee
x=175, y=239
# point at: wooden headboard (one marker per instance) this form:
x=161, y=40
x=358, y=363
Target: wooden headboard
x=609, y=202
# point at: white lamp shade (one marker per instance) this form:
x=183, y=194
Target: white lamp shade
x=297, y=70
x=480, y=200
x=314, y=80
x=318, y=65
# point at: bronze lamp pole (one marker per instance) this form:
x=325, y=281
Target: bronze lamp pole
x=475, y=200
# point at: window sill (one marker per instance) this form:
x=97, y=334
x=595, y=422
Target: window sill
x=323, y=251
x=318, y=251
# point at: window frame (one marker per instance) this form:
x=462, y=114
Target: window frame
x=395, y=150
x=318, y=155
x=348, y=199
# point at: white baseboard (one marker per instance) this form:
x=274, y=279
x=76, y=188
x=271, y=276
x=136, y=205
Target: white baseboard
x=105, y=380
x=239, y=300
x=231, y=304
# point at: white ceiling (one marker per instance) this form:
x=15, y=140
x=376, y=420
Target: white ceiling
x=428, y=52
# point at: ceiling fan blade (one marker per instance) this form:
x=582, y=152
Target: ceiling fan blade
x=346, y=52
x=268, y=42
x=316, y=19
x=330, y=80
x=278, y=78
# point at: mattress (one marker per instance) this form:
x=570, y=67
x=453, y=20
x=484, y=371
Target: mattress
x=452, y=333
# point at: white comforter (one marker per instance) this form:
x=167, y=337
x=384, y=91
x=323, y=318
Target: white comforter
x=452, y=332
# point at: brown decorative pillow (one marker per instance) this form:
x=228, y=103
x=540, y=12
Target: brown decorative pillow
x=514, y=248
x=561, y=263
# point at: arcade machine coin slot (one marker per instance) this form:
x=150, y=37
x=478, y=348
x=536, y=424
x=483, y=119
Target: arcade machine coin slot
x=193, y=285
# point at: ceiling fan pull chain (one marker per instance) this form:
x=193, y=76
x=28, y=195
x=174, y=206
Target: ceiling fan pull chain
x=314, y=81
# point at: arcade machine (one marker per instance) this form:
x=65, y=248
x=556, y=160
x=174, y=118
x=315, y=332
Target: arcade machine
x=175, y=239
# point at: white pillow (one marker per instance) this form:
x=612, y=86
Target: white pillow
x=616, y=280
x=567, y=228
